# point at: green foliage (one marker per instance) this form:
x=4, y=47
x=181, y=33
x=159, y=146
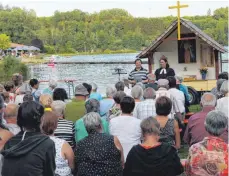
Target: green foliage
x=109, y=30
x=4, y=41
x=11, y=65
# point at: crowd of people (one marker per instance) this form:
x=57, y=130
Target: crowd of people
x=136, y=130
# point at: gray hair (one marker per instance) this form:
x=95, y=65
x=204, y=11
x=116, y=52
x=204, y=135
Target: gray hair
x=215, y=123
x=92, y=105
x=52, y=83
x=120, y=86
x=150, y=126
x=137, y=92
x=219, y=83
x=224, y=88
x=208, y=99
x=1, y=102
x=92, y=122
x=149, y=93
x=118, y=96
x=58, y=107
x=179, y=78
x=110, y=91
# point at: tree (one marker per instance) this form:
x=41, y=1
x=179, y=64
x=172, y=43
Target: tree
x=4, y=41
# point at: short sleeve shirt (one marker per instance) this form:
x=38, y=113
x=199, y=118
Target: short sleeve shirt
x=138, y=74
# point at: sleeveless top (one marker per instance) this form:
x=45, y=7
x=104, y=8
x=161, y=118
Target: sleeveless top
x=167, y=134
x=98, y=155
x=62, y=167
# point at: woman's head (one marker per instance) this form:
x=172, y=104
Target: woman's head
x=127, y=105
x=120, y=86
x=219, y=83
x=150, y=126
x=216, y=123
x=6, y=97
x=58, y=107
x=110, y=91
x=46, y=100
x=92, y=122
x=9, y=86
x=164, y=62
x=92, y=105
x=29, y=116
x=88, y=87
x=34, y=83
x=224, y=88
x=49, y=123
x=163, y=106
x=137, y=92
x=172, y=81
x=52, y=84
x=118, y=96
x=223, y=75
x=60, y=94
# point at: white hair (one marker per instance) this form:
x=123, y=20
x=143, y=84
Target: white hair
x=110, y=91
x=137, y=92
x=92, y=122
x=210, y=101
x=52, y=83
x=94, y=86
x=224, y=88
x=58, y=107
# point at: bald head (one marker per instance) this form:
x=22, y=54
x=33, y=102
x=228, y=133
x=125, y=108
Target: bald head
x=11, y=111
x=208, y=99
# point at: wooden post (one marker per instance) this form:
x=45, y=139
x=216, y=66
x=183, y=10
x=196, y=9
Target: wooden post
x=216, y=63
x=150, y=61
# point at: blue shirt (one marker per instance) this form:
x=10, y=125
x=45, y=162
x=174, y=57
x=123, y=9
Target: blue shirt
x=184, y=89
x=47, y=91
x=96, y=96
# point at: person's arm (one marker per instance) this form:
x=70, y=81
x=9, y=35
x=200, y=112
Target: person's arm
x=177, y=134
x=68, y=155
x=50, y=164
x=119, y=147
x=145, y=81
x=187, y=136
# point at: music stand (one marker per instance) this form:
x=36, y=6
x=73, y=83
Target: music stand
x=119, y=72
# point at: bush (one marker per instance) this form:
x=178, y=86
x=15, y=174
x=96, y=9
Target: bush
x=11, y=65
x=49, y=49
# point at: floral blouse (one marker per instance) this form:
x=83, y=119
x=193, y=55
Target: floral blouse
x=208, y=158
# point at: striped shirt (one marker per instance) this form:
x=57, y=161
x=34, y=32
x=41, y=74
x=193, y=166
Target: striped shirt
x=138, y=75
x=66, y=130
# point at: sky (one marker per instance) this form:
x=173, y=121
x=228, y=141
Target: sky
x=136, y=8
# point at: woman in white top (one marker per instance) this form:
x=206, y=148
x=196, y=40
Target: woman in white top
x=222, y=103
x=126, y=127
x=64, y=153
x=137, y=94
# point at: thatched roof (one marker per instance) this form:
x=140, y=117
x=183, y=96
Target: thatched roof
x=193, y=28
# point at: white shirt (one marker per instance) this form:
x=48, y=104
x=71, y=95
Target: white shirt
x=127, y=91
x=14, y=128
x=222, y=105
x=179, y=96
x=128, y=131
x=145, y=109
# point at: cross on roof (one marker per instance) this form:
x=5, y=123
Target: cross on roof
x=178, y=7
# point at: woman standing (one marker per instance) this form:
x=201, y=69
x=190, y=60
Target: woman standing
x=165, y=70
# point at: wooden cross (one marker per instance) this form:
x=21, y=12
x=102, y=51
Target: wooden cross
x=178, y=7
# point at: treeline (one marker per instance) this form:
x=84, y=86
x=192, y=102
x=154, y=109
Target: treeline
x=115, y=29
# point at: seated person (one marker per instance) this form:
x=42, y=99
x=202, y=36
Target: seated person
x=152, y=157
x=210, y=156
x=94, y=94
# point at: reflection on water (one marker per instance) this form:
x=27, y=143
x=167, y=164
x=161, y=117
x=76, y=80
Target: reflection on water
x=101, y=74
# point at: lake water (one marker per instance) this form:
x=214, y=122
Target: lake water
x=101, y=74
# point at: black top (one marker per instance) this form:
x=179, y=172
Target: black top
x=161, y=160
x=152, y=85
x=33, y=156
x=169, y=72
x=97, y=155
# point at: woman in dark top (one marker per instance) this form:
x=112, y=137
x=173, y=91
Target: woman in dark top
x=99, y=153
x=29, y=153
x=152, y=157
x=165, y=70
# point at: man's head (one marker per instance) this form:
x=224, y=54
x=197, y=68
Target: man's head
x=11, y=112
x=81, y=92
x=223, y=75
x=163, y=106
x=164, y=83
x=118, y=96
x=127, y=105
x=137, y=92
x=60, y=94
x=149, y=93
x=208, y=99
x=52, y=84
x=34, y=83
x=138, y=63
x=219, y=83
x=58, y=107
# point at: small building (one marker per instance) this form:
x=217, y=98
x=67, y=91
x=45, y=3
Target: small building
x=186, y=56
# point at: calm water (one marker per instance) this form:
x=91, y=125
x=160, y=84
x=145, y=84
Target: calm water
x=101, y=74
